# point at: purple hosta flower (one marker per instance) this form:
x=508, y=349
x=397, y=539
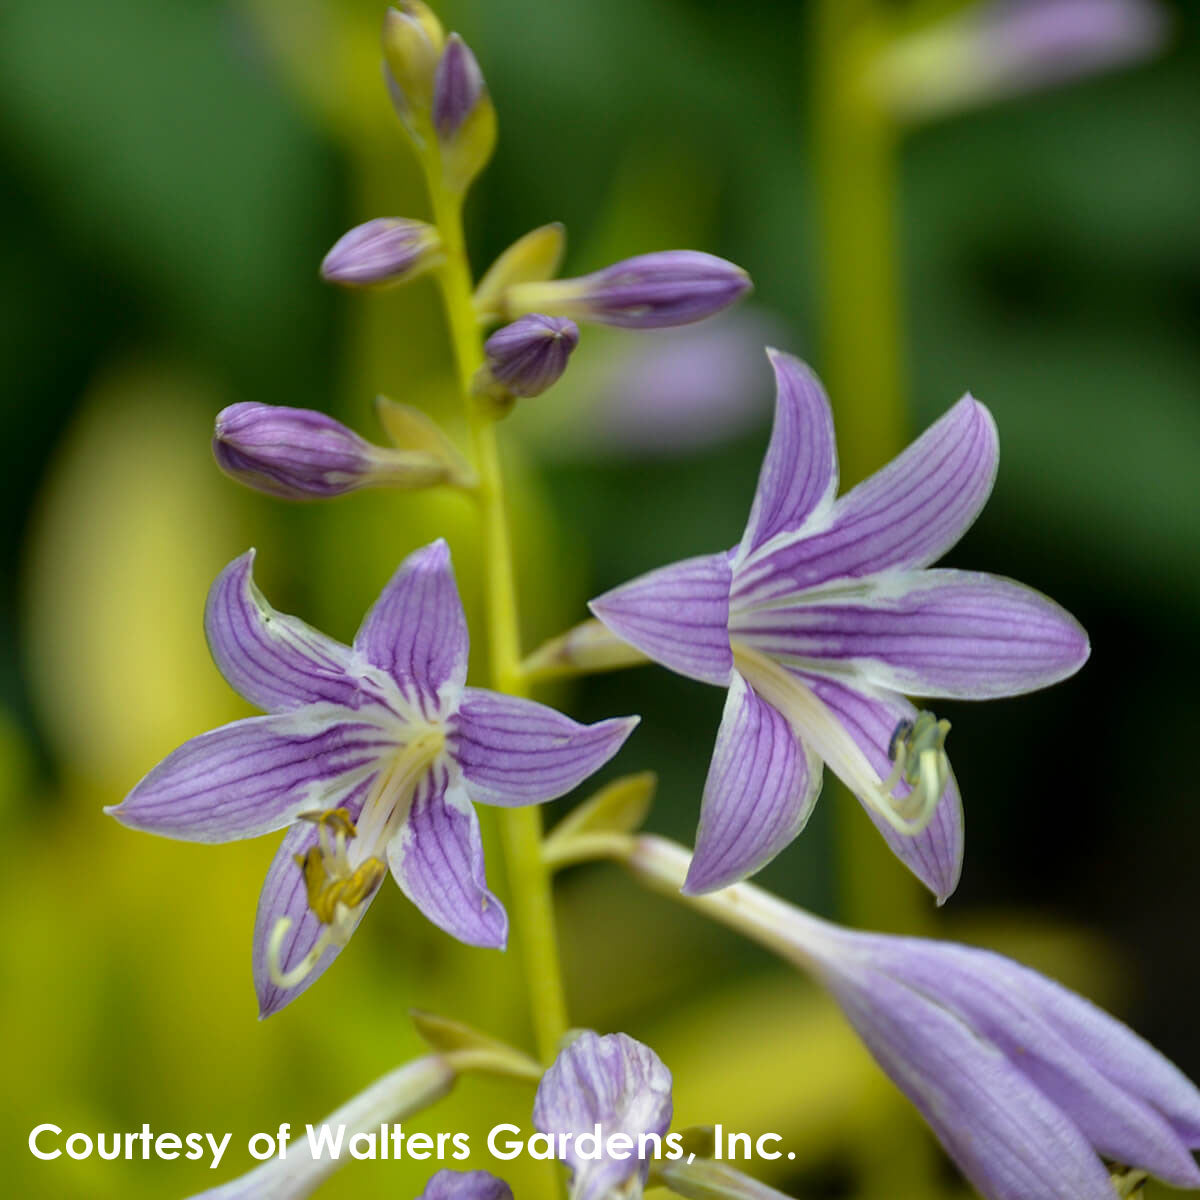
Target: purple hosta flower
x=824, y=617
x=298, y=454
x=374, y=756
x=619, y=1085
x=466, y=1185
x=1024, y=1082
x=383, y=251
x=672, y=287
x=1006, y=47
x=530, y=355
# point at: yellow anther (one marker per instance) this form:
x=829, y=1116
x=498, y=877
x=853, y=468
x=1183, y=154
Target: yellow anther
x=327, y=889
x=337, y=819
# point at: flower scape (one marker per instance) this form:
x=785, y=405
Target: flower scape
x=822, y=625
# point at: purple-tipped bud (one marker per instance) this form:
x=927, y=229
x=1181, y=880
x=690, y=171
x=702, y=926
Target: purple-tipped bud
x=385, y=250
x=673, y=287
x=457, y=88
x=530, y=355
x=298, y=454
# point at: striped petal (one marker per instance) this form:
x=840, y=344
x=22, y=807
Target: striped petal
x=284, y=895
x=799, y=474
x=677, y=615
x=935, y=854
x=437, y=859
x=959, y=634
x=616, y=1083
x=417, y=631
x=255, y=776
x=761, y=788
x=276, y=662
x=1014, y=1008
x=514, y=752
x=1010, y=1139
x=906, y=515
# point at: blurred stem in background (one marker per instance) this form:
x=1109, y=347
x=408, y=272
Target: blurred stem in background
x=855, y=163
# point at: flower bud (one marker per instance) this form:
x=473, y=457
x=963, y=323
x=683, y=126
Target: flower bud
x=672, y=287
x=530, y=355
x=463, y=115
x=298, y=454
x=385, y=250
x=413, y=39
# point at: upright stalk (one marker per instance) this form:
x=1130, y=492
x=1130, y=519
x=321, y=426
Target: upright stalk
x=530, y=896
x=856, y=172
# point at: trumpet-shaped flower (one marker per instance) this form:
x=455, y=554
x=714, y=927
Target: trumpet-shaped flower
x=1027, y=1085
x=619, y=1085
x=373, y=757
x=820, y=622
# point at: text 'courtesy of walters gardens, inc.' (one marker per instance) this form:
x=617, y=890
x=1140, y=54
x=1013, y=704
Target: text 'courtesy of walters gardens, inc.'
x=504, y=1142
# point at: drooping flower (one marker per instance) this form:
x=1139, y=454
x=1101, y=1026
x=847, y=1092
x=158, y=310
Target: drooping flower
x=374, y=755
x=820, y=622
x=620, y=1085
x=1027, y=1085
x=465, y=1185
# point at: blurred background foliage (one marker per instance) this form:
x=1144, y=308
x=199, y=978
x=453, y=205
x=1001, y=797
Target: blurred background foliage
x=174, y=171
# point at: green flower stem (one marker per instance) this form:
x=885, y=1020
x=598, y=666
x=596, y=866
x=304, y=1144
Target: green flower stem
x=856, y=177
x=857, y=180
x=531, y=901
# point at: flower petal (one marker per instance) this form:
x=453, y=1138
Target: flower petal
x=284, y=894
x=760, y=791
x=256, y=775
x=275, y=661
x=1011, y=1141
x=800, y=472
x=935, y=854
x=959, y=634
x=1003, y=1002
x=416, y=630
x=614, y=1082
x=437, y=859
x=906, y=515
x=515, y=752
x=465, y=1185
x=678, y=615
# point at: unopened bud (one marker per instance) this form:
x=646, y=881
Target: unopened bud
x=298, y=454
x=530, y=355
x=385, y=250
x=672, y=287
x=463, y=115
x=413, y=39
